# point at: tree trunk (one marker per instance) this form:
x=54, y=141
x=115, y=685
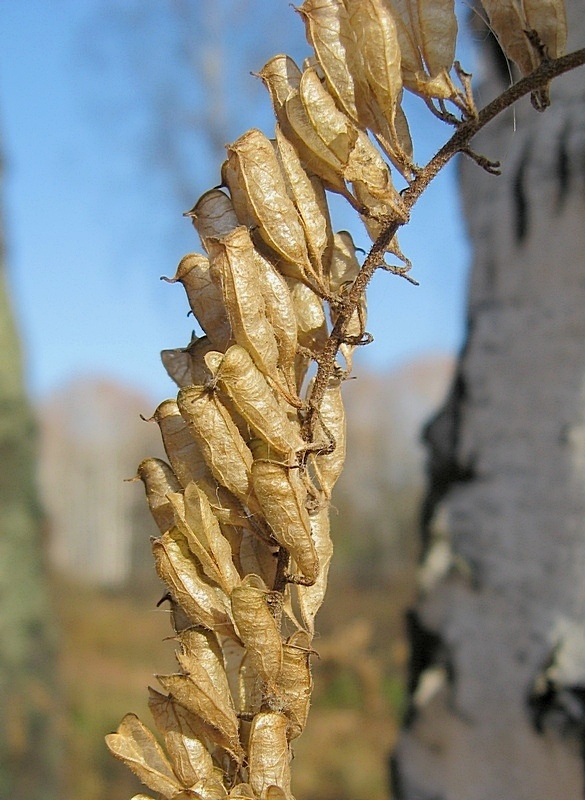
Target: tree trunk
x=27, y=701
x=497, y=682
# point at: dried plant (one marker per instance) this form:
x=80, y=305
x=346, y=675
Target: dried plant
x=256, y=437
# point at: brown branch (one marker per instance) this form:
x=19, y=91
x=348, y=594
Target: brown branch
x=459, y=142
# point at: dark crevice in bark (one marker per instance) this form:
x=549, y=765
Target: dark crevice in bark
x=519, y=196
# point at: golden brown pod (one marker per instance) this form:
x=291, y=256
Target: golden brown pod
x=248, y=389
x=197, y=693
x=308, y=195
x=282, y=496
x=205, y=299
x=195, y=519
x=135, y=745
x=186, y=365
x=329, y=466
x=310, y=598
x=234, y=269
x=204, y=604
x=213, y=215
x=255, y=175
x=269, y=755
x=219, y=440
x=190, y=758
x=310, y=314
x=257, y=628
x=295, y=683
x=158, y=479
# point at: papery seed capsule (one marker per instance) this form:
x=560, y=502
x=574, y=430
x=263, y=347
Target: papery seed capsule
x=310, y=598
x=311, y=322
x=158, y=479
x=195, y=519
x=343, y=271
x=205, y=299
x=282, y=496
x=257, y=628
x=203, y=603
x=221, y=444
x=191, y=760
x=329, y=466
x=269, y=755
x=135, y=745
x=198, y=695
x=235, y=270
x=295, y=683
x=258, y=175
x=213, y=215
x=258, y=558
x=246, y=386
x=377, y=42
x=308, y=195
x=186, y=365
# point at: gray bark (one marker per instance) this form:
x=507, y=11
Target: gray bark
x=497, y=683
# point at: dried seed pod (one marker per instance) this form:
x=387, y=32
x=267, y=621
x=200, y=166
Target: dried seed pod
x=205, y=299
x=311, y=322
x=257, y=628
x=213, y=215
x=158, y=479
x=235, y=270
x=377, y=42
x=191, y=760
x=246, y=386
x=427, y=32
x=280, y=313
x=511, y=20
x=344, y=270
x=255, y=176
x=199, y=696
x=203, y=603
x=195, y=519
x=282, y=78
x=282, y=496
x=186, y=365
x=135, y=745
x=310, y=598
x=329, y=466
x=257, y=558
x=329, y=32
x=269, y=755
x=295, y=683
x=243, y=791
x=308, y=195
x=182, y=450
x=221, y=444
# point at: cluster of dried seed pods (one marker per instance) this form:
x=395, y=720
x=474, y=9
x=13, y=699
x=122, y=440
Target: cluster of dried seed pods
x=242, y=505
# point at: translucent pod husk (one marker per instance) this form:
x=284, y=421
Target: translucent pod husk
x=282, y=78
x=427, y=32
x=199, y=696
x=310, y=313
x=248, y=389
x=308, y=195
x=186, y=365
x=158, y=479
x=220, y=441
x=235, y=271
x=258, y=559
x=343, y=271
x=205, y=299
x=189, y=464
x=295, y=683
x=310, y=598
x=256, y=178
x=135, y=745
x=204, y=603
x=282, y=495
x=195, y=519
x=213, y=215
x=269, y=754
x=257, y=628
x=329, y=466
x=190, y=757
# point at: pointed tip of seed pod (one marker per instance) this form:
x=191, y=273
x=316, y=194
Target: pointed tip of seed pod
x=167, y=280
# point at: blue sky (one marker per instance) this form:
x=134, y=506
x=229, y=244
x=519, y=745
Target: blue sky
x=101, y=159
